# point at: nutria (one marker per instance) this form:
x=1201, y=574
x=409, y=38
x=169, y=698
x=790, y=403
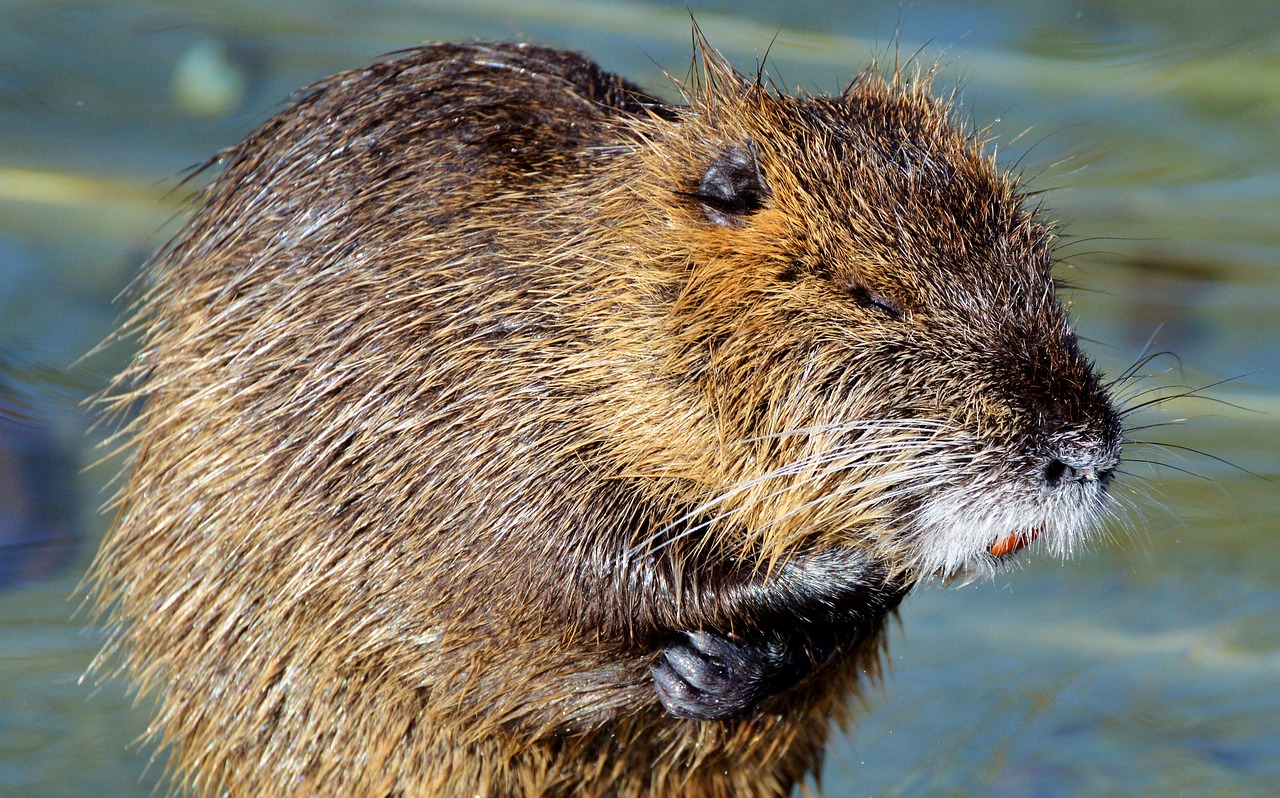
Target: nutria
x=503, y=430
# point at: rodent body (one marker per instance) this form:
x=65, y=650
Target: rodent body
x=505, y=431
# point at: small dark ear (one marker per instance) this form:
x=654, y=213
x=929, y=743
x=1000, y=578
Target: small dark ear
x=733, y=187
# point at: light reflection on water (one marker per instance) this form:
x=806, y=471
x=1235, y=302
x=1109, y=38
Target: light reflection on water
x=1150, y=666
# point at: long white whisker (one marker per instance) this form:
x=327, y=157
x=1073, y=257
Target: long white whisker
x=822, y=465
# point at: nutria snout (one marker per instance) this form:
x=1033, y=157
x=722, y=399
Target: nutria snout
x=503, y=430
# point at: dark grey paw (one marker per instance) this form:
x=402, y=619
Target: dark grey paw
x=707, y=676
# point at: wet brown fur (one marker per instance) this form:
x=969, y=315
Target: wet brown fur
x=456, y=400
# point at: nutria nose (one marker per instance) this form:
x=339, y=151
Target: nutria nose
x=1082, y=465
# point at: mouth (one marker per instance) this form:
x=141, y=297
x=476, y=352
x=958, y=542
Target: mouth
x=1015, y=542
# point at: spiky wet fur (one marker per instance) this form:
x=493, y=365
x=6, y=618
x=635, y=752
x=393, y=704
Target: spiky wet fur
x=456, y=401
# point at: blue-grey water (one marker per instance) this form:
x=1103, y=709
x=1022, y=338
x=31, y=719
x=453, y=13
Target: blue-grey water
x=1149, y=666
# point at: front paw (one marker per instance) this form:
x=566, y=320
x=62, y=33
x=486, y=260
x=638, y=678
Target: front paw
x=708, y=676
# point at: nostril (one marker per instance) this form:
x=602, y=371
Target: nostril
x=1058, y=470
x=1054, y=471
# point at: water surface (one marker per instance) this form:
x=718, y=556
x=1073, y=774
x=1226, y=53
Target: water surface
x=1148, y=666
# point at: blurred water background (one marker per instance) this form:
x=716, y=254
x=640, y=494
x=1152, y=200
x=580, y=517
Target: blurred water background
x=1150, y=666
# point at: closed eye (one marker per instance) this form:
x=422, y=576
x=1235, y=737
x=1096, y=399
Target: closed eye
x=878, y=302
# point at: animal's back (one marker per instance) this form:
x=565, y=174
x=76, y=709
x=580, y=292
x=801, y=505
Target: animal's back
x=333, y=342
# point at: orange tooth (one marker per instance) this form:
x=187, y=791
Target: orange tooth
x=1008, y=545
